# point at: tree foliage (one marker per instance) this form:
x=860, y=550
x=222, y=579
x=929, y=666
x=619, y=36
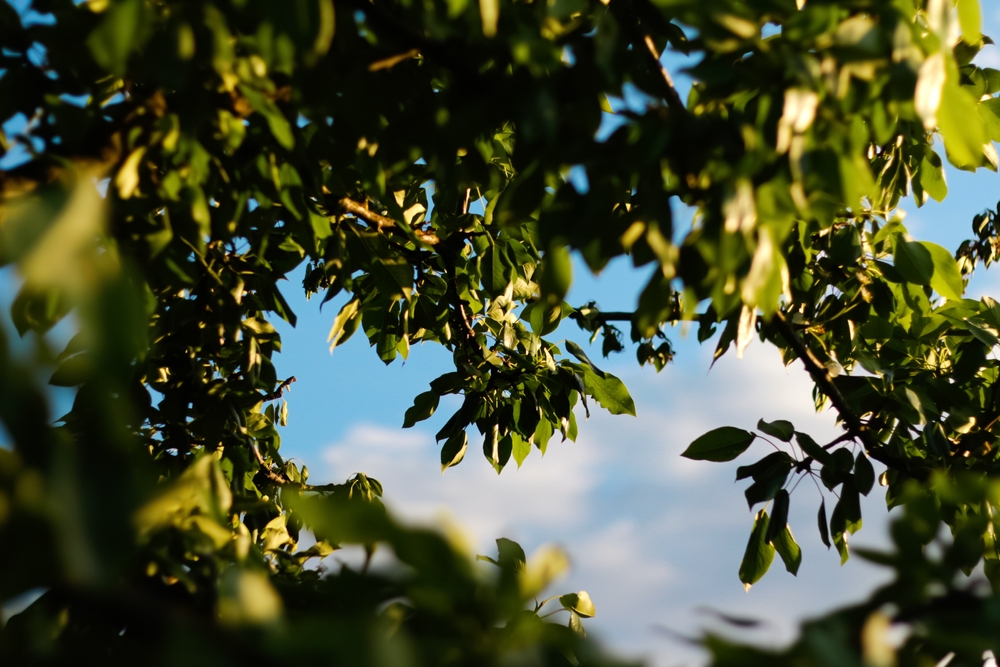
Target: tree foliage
x=413, y=161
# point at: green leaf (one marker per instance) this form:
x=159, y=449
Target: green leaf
x=989, y=111
x=824, y=527
x=579, y=603
x=992, y=82
x=453, y=450
x=495, y=268
x=850, y=506
x=557, y=274
x=788, y=549
x=576, y=625
x=913, y=261
x=119, y=33
x=580, y=354
x=610, y=392
x=719, y=445
x=812, y=449
x=779, y=516
x=345, y=324
x=841, y=460
x=758, y=555
x=280, y=128
x=970, y=20
x=497, y=450
x=864, y=473
x=780, y=429
x=757, y=469
x=932, y=178
x=73, y=372
x=768, y=482
x=543, y=433
x=946, y=279
x=961, y=126
x=521, y=448
x=424, y=406
x=510, y=555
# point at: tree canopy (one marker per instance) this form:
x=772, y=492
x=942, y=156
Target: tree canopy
x=439, y=163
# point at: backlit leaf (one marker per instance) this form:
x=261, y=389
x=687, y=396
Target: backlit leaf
x=759, y=554
x=610, y=392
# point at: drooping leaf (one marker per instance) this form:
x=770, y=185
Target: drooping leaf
x=864, y=473
x=758, y=555
x=779, y=516
x=453, y=450
x=932, y=176
x=521, y=448
x=789, y=550
x=824, y=527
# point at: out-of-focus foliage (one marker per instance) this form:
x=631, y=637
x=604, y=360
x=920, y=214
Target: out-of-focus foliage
x=179, y=160
x=932, y=613
x=141, y=555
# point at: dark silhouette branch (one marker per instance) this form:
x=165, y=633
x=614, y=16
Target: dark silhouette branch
x=282, y=388
x=381, y=222
x=674, y=100
x=824, y=382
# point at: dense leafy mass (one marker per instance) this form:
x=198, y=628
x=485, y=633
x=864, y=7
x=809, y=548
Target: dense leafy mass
x=413, y=161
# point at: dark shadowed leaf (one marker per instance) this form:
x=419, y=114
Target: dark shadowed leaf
x=780, y=429
x=721, y=444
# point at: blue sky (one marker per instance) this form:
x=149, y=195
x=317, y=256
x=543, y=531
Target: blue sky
x=652, y=537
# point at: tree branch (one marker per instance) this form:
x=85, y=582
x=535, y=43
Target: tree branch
x=824, y=382
x=804, y=463
x=380, y=221
x=282, y=388
x=278, y=478
x=674, y=100
x=462, y=315
x=602, y=316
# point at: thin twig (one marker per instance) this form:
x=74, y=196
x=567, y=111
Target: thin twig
x=282, y=388
x=671, y=95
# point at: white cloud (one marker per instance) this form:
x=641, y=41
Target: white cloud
x=547, y=492
x=651, y=536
